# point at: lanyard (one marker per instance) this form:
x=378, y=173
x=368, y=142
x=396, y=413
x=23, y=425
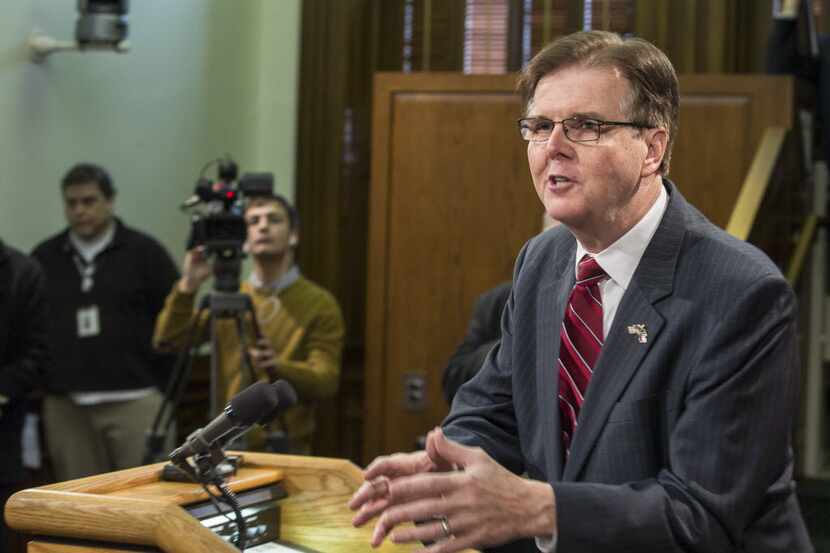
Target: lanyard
x=86, y=271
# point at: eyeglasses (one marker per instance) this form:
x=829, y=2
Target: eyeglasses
x=577, y=129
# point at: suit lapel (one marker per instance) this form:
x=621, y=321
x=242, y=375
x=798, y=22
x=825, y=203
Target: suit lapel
x=623, y=353
x=553, y=296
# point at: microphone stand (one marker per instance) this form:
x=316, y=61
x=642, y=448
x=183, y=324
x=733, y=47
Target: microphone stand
x=218, y=305
x=211, y=468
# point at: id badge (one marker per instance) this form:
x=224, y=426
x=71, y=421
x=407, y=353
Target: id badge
x=89, y=323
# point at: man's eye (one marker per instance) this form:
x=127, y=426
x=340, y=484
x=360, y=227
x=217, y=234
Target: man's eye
x=586, y=124
x=543, y=126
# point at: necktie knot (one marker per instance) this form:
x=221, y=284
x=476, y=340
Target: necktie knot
x=589, y=270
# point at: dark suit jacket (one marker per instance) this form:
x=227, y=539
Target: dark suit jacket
x=482, y=334
x=23, y=351
x=683, y=442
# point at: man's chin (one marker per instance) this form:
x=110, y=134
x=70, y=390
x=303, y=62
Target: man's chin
x=84, y=232
x=266, y=253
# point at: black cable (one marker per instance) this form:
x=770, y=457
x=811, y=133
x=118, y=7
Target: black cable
x=229, y=498
x=205, y=473
x=208, y=165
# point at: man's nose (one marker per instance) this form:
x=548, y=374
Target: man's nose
x=557, y=140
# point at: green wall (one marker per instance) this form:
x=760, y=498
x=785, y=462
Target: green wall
x=203, y=77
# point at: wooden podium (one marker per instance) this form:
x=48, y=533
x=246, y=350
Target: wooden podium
x=132, y=510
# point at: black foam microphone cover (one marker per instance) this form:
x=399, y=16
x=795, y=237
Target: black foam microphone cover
x=254, y=402
x=286, y=397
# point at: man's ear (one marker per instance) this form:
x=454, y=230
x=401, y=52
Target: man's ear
x=657, y=140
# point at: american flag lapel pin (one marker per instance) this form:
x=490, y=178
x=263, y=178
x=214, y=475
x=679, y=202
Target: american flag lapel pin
x=640, y=331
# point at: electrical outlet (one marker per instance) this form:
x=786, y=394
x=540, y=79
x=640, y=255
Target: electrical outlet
x=414, y=391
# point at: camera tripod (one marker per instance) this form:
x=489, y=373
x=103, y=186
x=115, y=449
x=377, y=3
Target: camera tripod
x=217, y=305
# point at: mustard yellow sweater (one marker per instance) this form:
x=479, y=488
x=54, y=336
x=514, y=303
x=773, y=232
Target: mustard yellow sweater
x=305, y=327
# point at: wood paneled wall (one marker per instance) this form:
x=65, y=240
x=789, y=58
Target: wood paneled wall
x=722, y=118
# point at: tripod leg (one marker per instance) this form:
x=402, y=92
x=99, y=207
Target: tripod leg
x=156, y=434
x=245, y=354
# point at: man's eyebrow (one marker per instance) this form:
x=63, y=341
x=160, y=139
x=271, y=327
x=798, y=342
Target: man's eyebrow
x=577, y=115
x=588, y=115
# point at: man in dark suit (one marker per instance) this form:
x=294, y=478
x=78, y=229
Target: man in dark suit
x=646, y=378
x=482, y=334
x=23, y=356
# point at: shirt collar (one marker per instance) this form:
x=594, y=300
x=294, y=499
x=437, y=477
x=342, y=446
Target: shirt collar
x=91, y=248
x=620, y=259
x=285, y=280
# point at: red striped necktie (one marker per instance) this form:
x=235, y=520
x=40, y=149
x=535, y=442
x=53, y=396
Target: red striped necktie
x=581, y=339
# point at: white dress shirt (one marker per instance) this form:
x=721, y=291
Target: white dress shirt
x=620, y=259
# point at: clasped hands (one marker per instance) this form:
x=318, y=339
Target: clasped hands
x=458, y=496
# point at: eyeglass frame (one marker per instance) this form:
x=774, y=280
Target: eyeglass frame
x=600, y=123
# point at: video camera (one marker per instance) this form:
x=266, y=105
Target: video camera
x=102, y=23
x=218, y=224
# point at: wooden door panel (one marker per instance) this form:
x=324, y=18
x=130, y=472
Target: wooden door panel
x=455, y=225
x=710, y=179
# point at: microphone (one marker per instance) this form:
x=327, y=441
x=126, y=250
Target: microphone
x=259, y=403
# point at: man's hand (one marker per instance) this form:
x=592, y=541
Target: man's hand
x=373, y=495
x=481, y=504
x=3, y=401
x=263, y=356
x=195, y=270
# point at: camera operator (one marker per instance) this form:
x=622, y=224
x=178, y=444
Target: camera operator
x=301, y=323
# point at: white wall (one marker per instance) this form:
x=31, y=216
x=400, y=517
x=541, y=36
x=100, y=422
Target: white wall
x=204, y=77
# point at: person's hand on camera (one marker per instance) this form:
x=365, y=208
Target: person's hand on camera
x=196, y=270
x=263, y=356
